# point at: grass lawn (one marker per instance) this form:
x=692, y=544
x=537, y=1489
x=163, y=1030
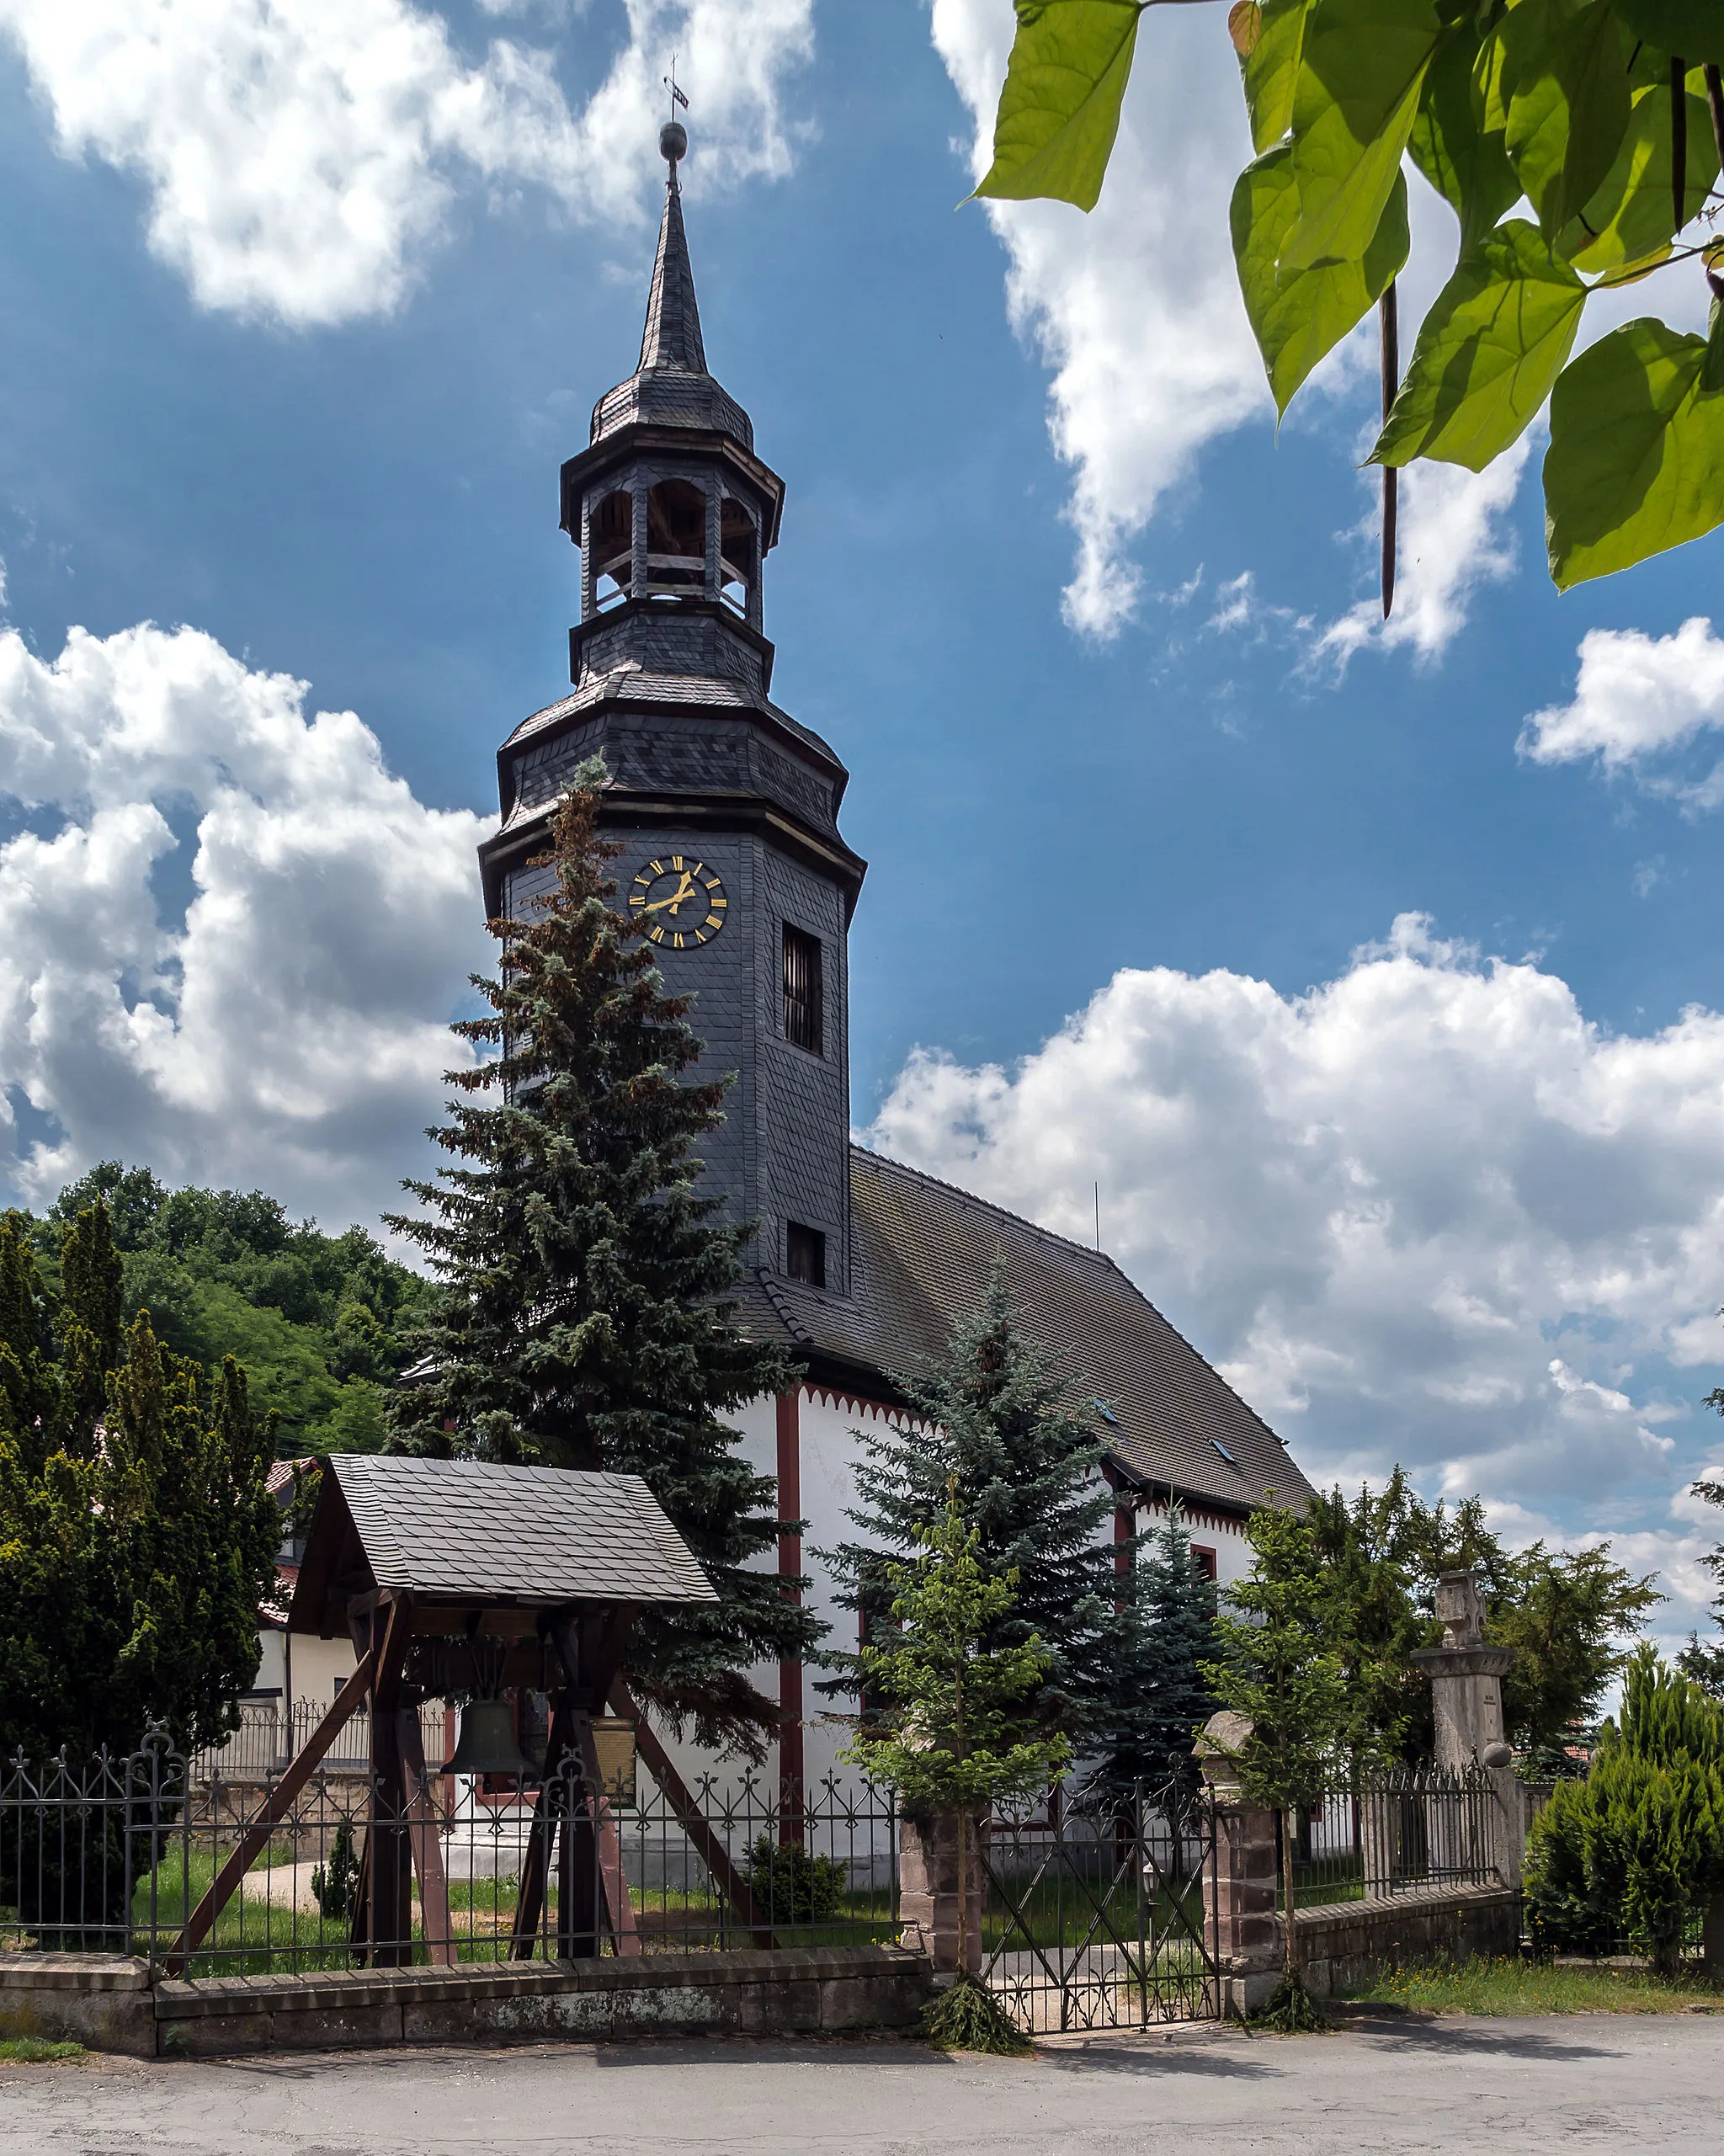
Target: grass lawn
x=1514, y=1987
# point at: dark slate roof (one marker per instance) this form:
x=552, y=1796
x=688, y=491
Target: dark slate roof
x=921, y=1253
x=671, y=387
x=672, y=336
x=537, y=1537
x=635, y=684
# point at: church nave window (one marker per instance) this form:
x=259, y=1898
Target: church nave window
x=804, y=1025
x=805, y=1253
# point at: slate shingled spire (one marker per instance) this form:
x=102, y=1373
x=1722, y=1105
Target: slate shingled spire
x=672, y=337
x=671, y=387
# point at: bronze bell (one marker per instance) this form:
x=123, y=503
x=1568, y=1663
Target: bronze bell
x=487, y=1742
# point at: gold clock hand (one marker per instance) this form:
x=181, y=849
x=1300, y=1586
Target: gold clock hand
x=685, y=890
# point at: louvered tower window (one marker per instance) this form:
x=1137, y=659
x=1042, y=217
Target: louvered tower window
x=803, y=1024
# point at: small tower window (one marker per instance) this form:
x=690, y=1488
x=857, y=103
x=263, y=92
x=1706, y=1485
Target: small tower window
x=611, y=537
x=805, y=1253
x=738, y=552
x=676, y=539
x=804, y=1025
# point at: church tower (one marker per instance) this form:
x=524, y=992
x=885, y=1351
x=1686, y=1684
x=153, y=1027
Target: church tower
x=726, y=808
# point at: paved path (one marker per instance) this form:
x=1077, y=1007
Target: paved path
x=1583, y=2082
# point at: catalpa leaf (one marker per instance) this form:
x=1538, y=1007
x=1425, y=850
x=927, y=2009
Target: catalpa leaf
x=1635, y=463
x=1495, y=337
x=1297, y=322
x=1564, y=67
x=1058, y=109
x=1361, y=69
x=1693, y=28
x=1633, y=212
x=1271, y=69
x=1463, y=160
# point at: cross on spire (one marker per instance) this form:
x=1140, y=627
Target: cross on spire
x=673, y=136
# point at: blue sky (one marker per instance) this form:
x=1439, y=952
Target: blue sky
x=1416, y=1202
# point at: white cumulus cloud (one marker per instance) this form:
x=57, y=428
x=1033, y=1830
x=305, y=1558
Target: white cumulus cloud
x=1639, y=700
x=1425, y=1211
x=286, y=1028
x=1135, y=308
x=1452, y=537
x=298, y=155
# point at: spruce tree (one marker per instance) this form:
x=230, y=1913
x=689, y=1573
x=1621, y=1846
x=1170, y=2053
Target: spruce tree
x=1160, y=1695
x=988, y=1418
x=589, y=1319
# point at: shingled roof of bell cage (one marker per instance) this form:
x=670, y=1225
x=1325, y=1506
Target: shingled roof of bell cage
x=922, y=1253
x=463, y=1530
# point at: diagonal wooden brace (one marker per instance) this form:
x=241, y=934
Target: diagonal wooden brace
x=680, y=1797
x=256, y=1836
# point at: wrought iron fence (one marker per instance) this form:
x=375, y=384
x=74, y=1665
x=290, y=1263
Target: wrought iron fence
x=1098, y=1911
x=269, y=1738
x=123, y=1855
x=1390, y=1834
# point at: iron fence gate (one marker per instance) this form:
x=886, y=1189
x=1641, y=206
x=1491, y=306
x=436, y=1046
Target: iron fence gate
x=1098, y=1911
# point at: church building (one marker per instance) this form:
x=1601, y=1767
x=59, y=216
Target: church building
x=734, y=865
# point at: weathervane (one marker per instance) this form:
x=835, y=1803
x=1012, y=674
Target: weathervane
x=673, y=136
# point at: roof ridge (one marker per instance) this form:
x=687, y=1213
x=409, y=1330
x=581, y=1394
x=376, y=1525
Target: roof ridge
x=1003, y=1212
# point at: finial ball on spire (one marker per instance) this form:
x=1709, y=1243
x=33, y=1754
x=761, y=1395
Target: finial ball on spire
x=673, y=140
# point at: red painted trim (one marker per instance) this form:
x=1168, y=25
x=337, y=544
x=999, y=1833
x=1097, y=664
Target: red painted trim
x=1197, y=1516
x=858, y=1404
x=1125, y=1526
x=789, y=1566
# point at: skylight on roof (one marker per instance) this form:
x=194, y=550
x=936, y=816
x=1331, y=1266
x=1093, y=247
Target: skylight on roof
x=1106, y=1411
x=1224, y=1452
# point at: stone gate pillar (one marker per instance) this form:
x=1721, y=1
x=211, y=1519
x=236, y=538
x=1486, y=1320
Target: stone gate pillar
x=928, y=1888
x=1467, y=1700
x=1243, y=1938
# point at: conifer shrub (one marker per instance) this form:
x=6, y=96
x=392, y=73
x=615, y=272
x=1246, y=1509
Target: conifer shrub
x=1629, y=1853
x=335, y=1884
x=791, y=1887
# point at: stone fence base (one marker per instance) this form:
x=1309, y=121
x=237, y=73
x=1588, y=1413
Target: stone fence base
x=1347, y=1945
x=111, y=2003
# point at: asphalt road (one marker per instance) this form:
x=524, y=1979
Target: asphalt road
x=1580, y=2082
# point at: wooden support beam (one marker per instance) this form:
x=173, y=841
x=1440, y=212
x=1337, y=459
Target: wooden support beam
x=255, y=1838
x=711, y=1850
x=425, y=1834
x=619, y=1909
x=390, y=1907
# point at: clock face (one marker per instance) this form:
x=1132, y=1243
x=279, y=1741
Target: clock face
x=679, y=901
